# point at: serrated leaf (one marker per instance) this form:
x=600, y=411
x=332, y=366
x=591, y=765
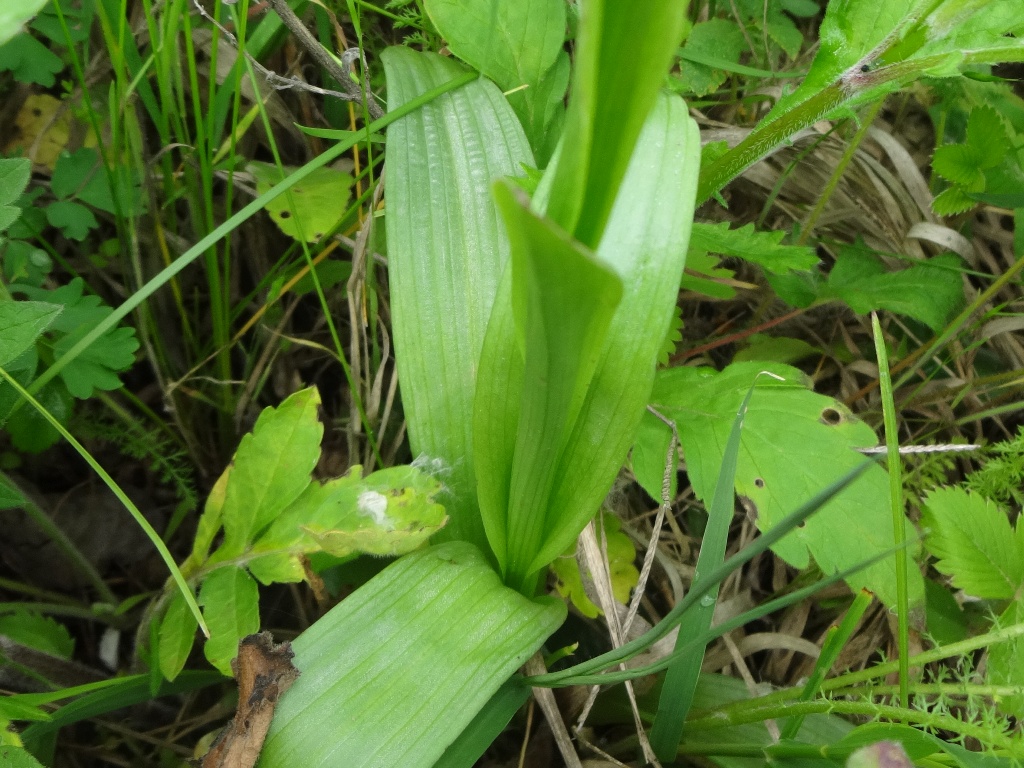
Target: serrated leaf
x=311, y=208
x=230, y=601
x=794, y=442
x=987, y=136
x=81, y=175
x=30, y=61
x=764, y=248
x=447, y=251
x=952, y=201
x=972, y=539
x=436, y=633
x=272, y=467
x=785, y=33
x=930, y=291
x=720, y=38
x=37, y=631
x=776, y=349
x=960, y=164
x=177, y=636
x=74, y=220
x=21, y=323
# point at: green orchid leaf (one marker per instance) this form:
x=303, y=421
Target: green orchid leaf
x=974, y=543
x=437, y=634
x=311, y=208
x=447, y=252
x=623, y=52
x=272, y=467
x=645, y=244
x=230, y=601
x=561, y=349
x=794, y=443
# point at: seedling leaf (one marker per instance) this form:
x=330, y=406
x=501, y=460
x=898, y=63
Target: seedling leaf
x=974, y=543
x=271, y=468
x=230, y=601
x=177, y=636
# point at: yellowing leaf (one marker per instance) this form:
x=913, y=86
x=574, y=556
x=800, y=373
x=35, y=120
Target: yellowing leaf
x=41, y=130
x=312, y=207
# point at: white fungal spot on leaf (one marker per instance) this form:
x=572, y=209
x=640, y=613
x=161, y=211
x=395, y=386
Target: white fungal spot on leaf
x=375, y=505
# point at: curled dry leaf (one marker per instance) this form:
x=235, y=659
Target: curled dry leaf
x=264, y=671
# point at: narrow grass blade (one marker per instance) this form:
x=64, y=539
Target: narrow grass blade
x=223, y=230
x=681, y=678
x=714, y=577
x=139, y=518
x=835, y=640
x=488, y=724
x=899, y=520
x=566, y=677
x=393, y=674
x=447, y=251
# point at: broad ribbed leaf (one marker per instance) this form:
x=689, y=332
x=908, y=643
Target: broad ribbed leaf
x=563, y=300
x=645, y=244
x=446, y=252
x=392, y=675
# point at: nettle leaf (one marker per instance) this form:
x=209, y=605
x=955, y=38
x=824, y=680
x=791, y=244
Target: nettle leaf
x=930, y=291
x=311, y=208
x=624, y=575
x=974, y=543
x=21, y=323
x=763, y=248
x=272, y=467
x=717, y=39
x=794, y=442
x=230, y=601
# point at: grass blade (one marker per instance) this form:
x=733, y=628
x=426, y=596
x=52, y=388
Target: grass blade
x=681, y=678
